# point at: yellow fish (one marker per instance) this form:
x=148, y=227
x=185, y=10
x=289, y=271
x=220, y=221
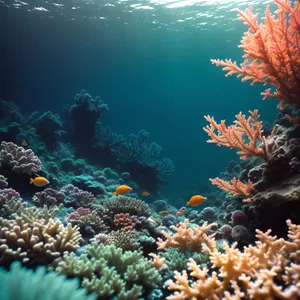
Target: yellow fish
x=122, y=189
x=196, y=200
x=39, y=181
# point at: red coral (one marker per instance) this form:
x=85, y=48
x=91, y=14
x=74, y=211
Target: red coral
x=124, y=220
x=272, y=53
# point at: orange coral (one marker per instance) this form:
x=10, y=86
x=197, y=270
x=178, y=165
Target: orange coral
x=124, y=220
x=268, y=270
x=272, y=53
x=244, y=134
x=187, y=238
x=235, y=187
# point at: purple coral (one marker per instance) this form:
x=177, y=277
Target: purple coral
x=48, y=197
x=239, y=218
x=8, y=195
x=76, y=197
x=226, y=231
x=19, y=159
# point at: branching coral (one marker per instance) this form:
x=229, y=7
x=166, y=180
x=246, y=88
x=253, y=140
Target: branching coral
x=187, y=238
x=38, y=241
x=18, y=159
x=244, y=134
x=109, y=272
x=271, y=52
x=235, y=187
x=137, y=149
x=124, y=204
x=267, y=270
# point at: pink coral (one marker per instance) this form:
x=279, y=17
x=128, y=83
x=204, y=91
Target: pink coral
x=271, y=52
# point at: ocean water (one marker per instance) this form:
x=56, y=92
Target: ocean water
x=148, y=60
x=119, y=221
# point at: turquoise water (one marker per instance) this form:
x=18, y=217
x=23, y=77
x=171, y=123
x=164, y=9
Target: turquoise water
x=148, y=60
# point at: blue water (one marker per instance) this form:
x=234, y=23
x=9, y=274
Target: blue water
x=150, y=62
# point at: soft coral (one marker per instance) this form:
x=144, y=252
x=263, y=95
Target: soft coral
x=272, y=54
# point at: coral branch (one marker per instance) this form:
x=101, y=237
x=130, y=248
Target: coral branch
x=244, y=134
x=271, y=52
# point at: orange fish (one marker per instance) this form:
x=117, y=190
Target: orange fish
x=196, y=200
x=39, y=181
x=164, y=213
x=24, y=143
x=145, y=194
x=122, y=189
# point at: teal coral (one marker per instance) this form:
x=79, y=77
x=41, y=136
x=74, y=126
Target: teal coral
x=22, y=284
x=109, y=272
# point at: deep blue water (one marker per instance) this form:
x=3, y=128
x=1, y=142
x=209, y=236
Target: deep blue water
x=152, y=68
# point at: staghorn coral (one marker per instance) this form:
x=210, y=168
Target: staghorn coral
x=109, y=272
x=271, y=52
x=267, y=270
x=187, y=238
x=36, y=241
x=23, y=284
x=235, y=187
x=244, y=135
x=18, y=159
x=124, y=204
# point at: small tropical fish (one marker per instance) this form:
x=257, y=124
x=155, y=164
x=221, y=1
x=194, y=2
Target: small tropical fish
x=196, y=200
x=164, y=213
x=39, y=181
x=122, y=189
x=145, y=194
x=24, y=143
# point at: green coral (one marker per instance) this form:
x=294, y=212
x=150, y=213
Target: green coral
x=22, y=284
x=124, y=204
x=124, y=239
x=175, y=259
x=109, y=272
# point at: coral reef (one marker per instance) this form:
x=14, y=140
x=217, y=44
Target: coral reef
x=109, y=272
x=267, y=270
